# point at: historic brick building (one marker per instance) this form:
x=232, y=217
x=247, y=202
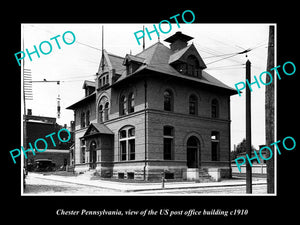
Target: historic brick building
x=154, y=112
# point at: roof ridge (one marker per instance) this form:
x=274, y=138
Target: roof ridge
x=111, y=54
x=151, y=46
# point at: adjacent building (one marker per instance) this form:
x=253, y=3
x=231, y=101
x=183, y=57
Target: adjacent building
x=153, y=114
x=39, y=127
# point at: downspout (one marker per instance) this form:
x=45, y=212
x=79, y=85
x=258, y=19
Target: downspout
x=145, y=122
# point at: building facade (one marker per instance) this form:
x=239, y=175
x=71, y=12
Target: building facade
x=39, y=127
x=154, y=114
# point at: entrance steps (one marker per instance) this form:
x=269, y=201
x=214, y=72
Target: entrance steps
x=199, y=175
x=204, y=176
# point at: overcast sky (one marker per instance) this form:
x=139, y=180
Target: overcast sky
x=72, y=64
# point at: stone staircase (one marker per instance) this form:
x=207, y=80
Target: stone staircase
x=204, y=176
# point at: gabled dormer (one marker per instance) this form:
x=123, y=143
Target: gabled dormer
x=89, y=87
x=132, y=63
x=185, y=59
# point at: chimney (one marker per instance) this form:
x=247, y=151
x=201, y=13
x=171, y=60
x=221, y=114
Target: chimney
x=178, y=41
x=29, y=112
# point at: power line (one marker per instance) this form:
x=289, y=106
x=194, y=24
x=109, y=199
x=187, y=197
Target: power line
x=222, y=59
x=78, y=42
x=236, y=66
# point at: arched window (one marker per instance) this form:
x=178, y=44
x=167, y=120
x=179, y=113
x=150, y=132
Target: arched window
x=131, y=102
x=214, y=108
x=101, y=113
x=168, y=100
x=103, y=109
x=192, y=65
x=193, y=105
x=106, y=108
x=127, y=143
x=123, y=105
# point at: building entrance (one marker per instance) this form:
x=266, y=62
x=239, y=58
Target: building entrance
x=193, y=152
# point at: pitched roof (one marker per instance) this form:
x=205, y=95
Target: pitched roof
x=184, y=52
x=113, y=62
x=97, y=128
x=117, y=63
x=88, y=83
x=157, y=58
x=134, y=58
x=82, y=101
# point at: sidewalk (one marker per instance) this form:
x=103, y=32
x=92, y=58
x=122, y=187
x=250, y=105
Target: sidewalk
x=136, y=187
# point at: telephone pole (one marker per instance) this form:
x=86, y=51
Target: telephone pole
x=248, y=129
x=269, y=111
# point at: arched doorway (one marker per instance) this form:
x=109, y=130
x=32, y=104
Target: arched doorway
x=93, y=155
x=193, y=152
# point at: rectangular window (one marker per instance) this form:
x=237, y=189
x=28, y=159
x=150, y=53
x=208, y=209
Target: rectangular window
x=130, y=175
x=100, y=82
x=168, y=133
x=123, y=150
x=192, y=108
x=168, y=143
x=88, y=118
x=82, y=120
x=120, y=175
x=215, y=140
x=127, y=144
x=214, y=151
x=131, y=146
x=169, y=176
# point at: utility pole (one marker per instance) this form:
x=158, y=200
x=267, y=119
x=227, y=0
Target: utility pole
x=145, y=108
x=269, y=111
x=248, y=129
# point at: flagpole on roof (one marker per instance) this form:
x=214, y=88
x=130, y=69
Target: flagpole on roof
x=102, y=58
x=144, y=38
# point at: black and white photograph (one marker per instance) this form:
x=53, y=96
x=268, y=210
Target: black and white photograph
x=169, y=116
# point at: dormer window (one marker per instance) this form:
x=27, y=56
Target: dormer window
x=132, y=63
x=193, y=68
x=181, y=68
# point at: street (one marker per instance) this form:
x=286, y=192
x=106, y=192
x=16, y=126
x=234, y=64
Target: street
x=43, y=186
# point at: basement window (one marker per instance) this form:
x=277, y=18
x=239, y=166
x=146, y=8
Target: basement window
x=120, y=175
x=130, y=175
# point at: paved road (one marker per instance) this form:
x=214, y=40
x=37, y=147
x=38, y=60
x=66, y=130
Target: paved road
x=36, y=185
x=42, y=186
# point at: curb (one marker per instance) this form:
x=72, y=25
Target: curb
x=148, y=189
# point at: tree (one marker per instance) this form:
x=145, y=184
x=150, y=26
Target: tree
x=240, y=148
